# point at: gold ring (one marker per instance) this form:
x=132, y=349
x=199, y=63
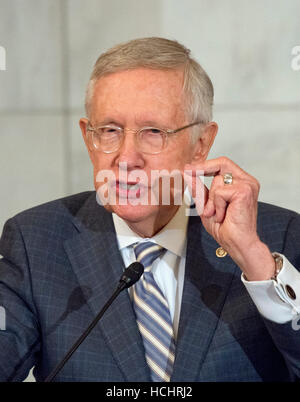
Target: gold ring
x=227, y=178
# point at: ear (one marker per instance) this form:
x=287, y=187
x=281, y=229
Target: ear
x=83, y=123
x=205, y=142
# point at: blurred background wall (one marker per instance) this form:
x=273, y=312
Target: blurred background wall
x=51, y=46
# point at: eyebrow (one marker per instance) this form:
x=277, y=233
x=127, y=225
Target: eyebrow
x=151, y=123
x=144, y=123
x=107, y=122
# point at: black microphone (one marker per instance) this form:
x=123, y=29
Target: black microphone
x=129, y=277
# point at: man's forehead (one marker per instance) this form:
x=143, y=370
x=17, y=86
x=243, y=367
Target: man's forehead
x=140, y=78
x=142, y=89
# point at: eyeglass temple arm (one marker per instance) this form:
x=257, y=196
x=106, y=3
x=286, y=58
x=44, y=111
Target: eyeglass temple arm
x=184, y=127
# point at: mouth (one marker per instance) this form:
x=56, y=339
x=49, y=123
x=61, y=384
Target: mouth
x=128, y=186
x=129, y=190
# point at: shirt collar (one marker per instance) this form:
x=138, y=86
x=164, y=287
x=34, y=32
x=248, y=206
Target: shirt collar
x=172, y=236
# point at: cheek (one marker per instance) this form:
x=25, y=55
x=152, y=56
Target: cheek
x=93, y=158
x=183, y=156
x=100, y=161
x=102, y=170
x=170, y=161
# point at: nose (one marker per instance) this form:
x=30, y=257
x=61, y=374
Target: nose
x=129, y=153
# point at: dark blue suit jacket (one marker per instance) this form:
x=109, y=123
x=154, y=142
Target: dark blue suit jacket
x=61, y=264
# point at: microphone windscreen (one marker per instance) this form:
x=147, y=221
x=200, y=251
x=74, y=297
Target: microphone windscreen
x=132, y=274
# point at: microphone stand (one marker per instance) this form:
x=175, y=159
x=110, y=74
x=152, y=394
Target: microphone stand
x=130, y=276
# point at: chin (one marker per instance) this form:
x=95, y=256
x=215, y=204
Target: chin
x=134, y=213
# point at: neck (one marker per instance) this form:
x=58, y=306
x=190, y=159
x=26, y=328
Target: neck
x=149, y=227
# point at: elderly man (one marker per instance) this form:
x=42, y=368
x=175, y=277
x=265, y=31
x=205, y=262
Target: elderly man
x=220, y=295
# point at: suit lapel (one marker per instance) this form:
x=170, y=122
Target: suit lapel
x=207, y=281
x=98, y=265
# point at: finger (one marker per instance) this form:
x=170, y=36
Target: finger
x=218, y=204
x=220, y=207
x=219, y=166
x=198, y=191
x=219, y=197
x=209, y=209
x=212, y=207
x=239, y=196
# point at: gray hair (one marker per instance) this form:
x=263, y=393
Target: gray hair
x=159, y=54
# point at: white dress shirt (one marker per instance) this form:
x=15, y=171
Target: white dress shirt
x=270, y=296
x=168, y=271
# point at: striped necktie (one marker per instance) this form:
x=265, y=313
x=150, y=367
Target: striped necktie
x=153, y=316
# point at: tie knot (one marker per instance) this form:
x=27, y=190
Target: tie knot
x=146, y=252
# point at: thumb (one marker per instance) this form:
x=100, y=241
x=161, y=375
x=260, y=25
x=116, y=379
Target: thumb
x=197, y=188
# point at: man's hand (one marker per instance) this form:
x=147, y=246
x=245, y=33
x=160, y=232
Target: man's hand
x=229, y=214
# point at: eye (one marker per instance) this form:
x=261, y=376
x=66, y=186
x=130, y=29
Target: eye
x=108, y=130
x=155, y=131
x=152, y=131
x=151, y=139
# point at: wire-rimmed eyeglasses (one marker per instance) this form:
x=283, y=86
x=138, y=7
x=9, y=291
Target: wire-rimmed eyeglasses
x=150, y=140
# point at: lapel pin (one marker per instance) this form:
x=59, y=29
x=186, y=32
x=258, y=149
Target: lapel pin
x=220, y=252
